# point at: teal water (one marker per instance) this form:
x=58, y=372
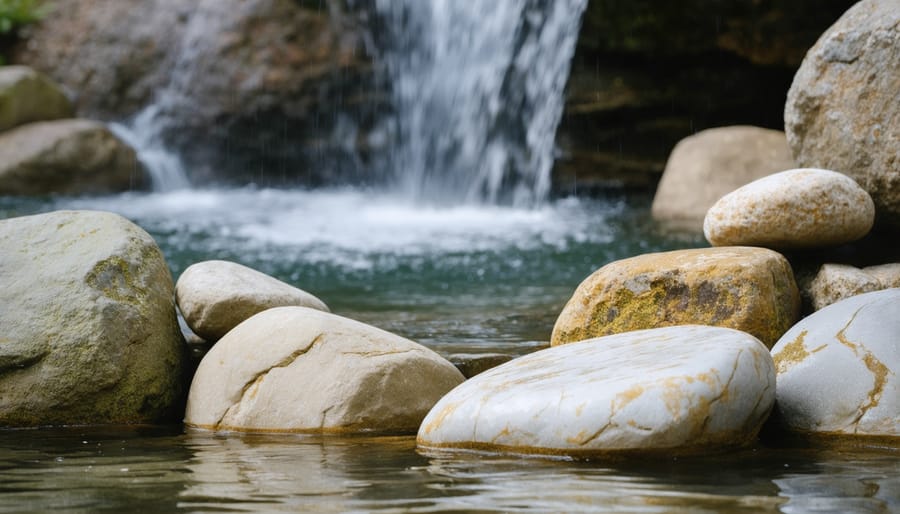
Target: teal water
x=457, y=279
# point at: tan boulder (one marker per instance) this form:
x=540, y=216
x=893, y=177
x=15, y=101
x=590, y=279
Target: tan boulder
x=800, y=208
x=710, y=164
x=27, y=96
x=215, y=296
x=295, y=369
x=748, y=289
x=66, y=157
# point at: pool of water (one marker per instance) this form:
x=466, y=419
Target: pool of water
x=457, y=279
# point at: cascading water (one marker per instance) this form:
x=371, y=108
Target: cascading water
x=478, y=95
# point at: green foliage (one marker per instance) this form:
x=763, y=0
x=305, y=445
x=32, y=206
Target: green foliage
x=16, y=13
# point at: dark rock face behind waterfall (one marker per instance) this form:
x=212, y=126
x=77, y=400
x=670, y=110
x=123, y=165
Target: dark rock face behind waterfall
x=281, y=92
x=648, y=73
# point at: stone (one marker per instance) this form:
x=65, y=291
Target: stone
x=842, y=111
x=710, y=164
x=296, y=369
x=215, y=296
x=838, y=369
x=670, y=390
x=88, y=324
x=249, y=90
x=799, y=208
x=471, y=364
x=835, y=282
x=66, y=157
x=887, y=274
x=27, y=95
x=749, y=289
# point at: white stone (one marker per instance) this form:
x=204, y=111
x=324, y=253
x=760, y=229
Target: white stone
x=674, y=389
x=837, y=368
x=800, y=208
x=295, y=369
x=215, y=296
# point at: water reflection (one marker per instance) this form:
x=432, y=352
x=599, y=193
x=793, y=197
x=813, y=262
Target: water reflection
x=161, y=469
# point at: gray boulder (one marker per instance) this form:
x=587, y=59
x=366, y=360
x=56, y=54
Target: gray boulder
x=87, y=317
x=27, y=96
x=842, y=111
x=66, y=157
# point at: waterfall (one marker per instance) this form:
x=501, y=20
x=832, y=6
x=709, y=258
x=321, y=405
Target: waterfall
x=477, y=88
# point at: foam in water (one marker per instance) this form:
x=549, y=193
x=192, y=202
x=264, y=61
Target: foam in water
x=478, y=92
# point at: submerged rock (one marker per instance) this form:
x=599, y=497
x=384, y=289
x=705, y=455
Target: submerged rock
x=215, y=296
x=838, y=368
x=749, y=289
x=27, y=96
x=842, y=111
x=800, y=208
x=471, y=364
x=295, y=369
x=87, y=317
x=66, y=157
x=671, y=390
x=710, y=164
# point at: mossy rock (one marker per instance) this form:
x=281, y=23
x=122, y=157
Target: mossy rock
x=88, y=324
x=27, y=96
x=744, y=288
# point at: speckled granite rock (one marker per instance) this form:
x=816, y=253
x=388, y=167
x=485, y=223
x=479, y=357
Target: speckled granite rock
x=296, y=369
x=801, y=208
x=671, y=390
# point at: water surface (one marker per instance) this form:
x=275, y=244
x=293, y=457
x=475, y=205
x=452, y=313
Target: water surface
x=457, y=279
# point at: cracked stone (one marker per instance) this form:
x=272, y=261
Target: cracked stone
x=296, y=369
x=713, y=389
x=837, y=369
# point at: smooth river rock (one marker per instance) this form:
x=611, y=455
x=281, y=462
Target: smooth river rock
x=672, y=390
x=88, y=332
x=296, y=369
x=838, y=369
x=749, y=289
x=800, y=208
x=215, y=296
x=66, y=157
x=712, y=163
x=842, y=111
x=27, y=95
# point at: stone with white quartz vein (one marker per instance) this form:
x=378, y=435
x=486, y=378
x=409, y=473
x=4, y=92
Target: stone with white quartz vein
x=837, y=368
x=674, y=389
